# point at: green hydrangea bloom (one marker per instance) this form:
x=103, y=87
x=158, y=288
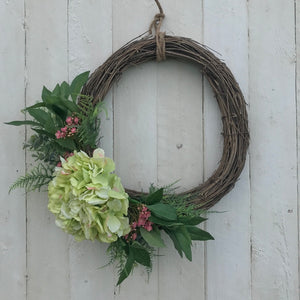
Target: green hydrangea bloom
x=87, y=199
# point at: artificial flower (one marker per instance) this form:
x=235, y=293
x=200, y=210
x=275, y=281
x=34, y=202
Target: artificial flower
x=87, y=199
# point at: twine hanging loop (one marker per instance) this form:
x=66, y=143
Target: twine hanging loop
x=159, y=36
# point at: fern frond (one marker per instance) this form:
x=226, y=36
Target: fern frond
x=117, y=255
x=89, y=130
x=34, y=180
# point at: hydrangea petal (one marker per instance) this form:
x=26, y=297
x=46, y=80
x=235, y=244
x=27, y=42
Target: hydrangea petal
x=88, y=200
x=98, y=153
x=113, y=223
x=116, y=195
x=115, y=205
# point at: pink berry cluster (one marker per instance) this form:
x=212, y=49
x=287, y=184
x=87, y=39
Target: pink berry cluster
x=69, y=130
x=66, y=155
x=144, y=215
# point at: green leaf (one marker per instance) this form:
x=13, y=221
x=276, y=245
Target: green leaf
x=43, y=132
x=72, y=107
x=56, y=91
x=53, y=103
x=140, y=254
x=37, y=105
x=134, y=201
x=181, y=240
x=65, y=90
x=162, y=222
x=59, y=111
x=127, y=269
x=163, y=211
x=44, y=118
x=62, y=103
x=153, y=238
x=175, y=241
x=40, y=115
x=184, y=241
x=67, y=143
x=77, y=84
x=54, y=100
x=25, y=122
x=191, y=220
x=45, y=94
x=155, y=197
x=198, y=234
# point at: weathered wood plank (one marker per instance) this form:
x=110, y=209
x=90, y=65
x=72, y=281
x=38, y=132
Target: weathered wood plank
x=273, y=150
x=90, y=36
x=12, y=207
x=297, y=32
x=135, y=123
x=134, y=104
x=158, y=108
x=46, y=60
x=180, y=145
x=228, y=257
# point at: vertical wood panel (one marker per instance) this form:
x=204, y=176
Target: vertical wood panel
x=156, y=109
x=180, y=145
x=273, y=150
x=48, y=267
x=12, y=207
x=90, y=35
x=297, y=36
x=228, y=257
x=135, y=126
x=134, y=102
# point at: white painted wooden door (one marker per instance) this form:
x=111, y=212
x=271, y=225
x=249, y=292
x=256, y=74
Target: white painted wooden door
x=163, y=125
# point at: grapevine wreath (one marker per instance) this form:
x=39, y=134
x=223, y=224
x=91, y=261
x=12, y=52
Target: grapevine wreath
x=85, y=194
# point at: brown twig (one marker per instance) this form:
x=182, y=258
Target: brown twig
x=159, y=6
x=228, y=95
x=159, y=36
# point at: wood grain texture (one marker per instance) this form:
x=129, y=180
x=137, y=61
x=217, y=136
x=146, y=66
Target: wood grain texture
x=12, y=207
x=46, y=64
x=87, y=50
x=179, y=138
x=273, y=150
x=163, y=124
x=297, y=85
x=228, y=257
x=135, y=127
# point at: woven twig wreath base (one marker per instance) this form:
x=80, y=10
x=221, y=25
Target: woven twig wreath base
x=228, y=94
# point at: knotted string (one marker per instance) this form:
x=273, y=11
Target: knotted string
x=159, y=36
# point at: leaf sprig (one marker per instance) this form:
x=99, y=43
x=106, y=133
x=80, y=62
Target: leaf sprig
x=38, y=177
x=65, y=121
x=180, y=226
x=47, y=118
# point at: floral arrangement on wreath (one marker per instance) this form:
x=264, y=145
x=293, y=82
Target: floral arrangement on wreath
x=87, y=197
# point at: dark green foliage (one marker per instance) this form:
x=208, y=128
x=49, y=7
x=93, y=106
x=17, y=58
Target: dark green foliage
x=127, y=268
x=170, y=213
x=198, y=234
x=44, y=149
x=35, y=179
x=140, y=254
x=127, y=254
x=163, y=211
x=77, y=84
x=155, y=197
x=25, y=122
x=89, y=129
x=48, y=118
x=153, y=237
